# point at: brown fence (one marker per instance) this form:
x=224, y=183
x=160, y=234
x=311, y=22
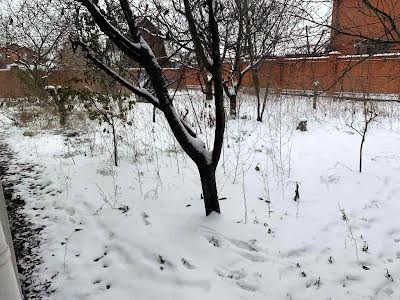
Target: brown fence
x=379, y=74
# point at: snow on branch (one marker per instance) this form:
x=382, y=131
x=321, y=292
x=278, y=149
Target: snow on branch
x=127, y=46
x=142, y=92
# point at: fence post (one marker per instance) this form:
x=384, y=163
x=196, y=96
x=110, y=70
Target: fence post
x=333, y=61
x=315, y=98
x=281, y=66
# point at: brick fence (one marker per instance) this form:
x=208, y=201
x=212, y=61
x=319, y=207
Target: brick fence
x=379, y=74
x=335, y=73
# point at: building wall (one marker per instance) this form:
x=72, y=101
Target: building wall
x=355, y=18
x=12, y=53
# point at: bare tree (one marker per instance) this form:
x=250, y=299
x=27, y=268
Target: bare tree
x=61, y=98
x=132, y=44
x=109, y=105
x=369, y=114
x=253, y=31
x=250, y=31
x=41, y=27
x=268, y=25
x=170, y=17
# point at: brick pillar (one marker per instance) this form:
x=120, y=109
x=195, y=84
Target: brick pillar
x=333, y=84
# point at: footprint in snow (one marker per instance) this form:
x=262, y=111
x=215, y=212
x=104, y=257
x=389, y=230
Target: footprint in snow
x=249, y=246
x=253, y=257
x=70, y=210
x=187, y=264
x=297, y=252
x=145, y=218
x=349, y=279
x=247, y=286
x=213, y=241
x=240, y=277
x=232, y=274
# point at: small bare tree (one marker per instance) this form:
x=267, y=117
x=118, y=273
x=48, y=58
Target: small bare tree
x=126, y=36
x=62, y=100
x=108, y=105
x=369, y=115
x=253, y=31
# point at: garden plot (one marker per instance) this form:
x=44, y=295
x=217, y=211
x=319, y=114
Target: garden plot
x=138, y=231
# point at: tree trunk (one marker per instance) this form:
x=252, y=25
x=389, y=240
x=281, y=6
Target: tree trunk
x=121, y=108
x=154, y=114
x=208, y=90
x=233, y=106
x=315, y=96
x=257, y=91
x=314, y=105
x=62, y=110
x=115, y=145
x=261, y=114
x=209, y=186
x=361, y=152
x=62, y=114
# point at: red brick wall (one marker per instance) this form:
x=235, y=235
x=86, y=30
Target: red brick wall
x=335, y=73
x=11, y=85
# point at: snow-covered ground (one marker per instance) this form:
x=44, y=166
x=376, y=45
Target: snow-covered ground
x=138, y=231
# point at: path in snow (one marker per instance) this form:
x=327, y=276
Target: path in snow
x=17, y=175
